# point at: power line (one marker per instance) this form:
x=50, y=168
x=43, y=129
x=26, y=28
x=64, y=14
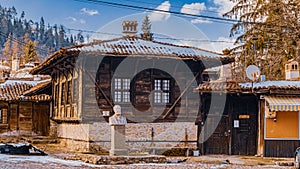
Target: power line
x=209, y=18
x=120, y=5
x=157, y=37
x=23, y=43
x=178, y=7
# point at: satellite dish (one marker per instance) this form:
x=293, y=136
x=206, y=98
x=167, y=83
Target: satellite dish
x=252, y=72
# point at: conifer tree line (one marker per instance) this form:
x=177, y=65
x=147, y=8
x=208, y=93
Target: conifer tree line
x=30, y=40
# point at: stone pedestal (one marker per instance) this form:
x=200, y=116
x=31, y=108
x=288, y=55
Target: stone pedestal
x=118, y=140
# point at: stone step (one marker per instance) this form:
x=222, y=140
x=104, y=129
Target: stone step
x=41, y=140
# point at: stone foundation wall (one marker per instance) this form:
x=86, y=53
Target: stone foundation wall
x=96, y=136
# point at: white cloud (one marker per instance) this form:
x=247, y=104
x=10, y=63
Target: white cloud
x=220, y=44
x=199, y=21
x=75, y=20
x=193, y=8
x=223, y=6
x=90, y=12
x=161, y=16
x=215, y=46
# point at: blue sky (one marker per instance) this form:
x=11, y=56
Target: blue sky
x=99, y=17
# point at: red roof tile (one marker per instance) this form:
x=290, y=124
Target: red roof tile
x=15, y=91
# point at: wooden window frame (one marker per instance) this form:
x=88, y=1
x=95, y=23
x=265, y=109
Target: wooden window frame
x=3, y=118
x=162, y=91
x=121, y=88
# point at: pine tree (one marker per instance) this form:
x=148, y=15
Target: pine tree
x=20, y=27
x=8, y=47
x=42, y=30
x=267, y=34
x=30, y=54
x=146, y=29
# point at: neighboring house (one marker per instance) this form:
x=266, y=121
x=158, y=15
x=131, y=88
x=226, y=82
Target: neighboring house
x=237, y=109
x=151, y=100
x=216, y=73
x=258, y=118
x=4, y=72
x=24, y=114
x=292, y=70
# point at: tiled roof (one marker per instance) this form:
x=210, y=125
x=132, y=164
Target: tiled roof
x=36, y=88
x=220, y=86
x=135, y=47
x=15, y=91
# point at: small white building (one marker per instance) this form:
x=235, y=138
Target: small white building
x=292, y=70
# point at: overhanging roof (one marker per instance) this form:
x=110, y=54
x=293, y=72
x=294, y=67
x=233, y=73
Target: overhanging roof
x=283, y=103
x=134, y=47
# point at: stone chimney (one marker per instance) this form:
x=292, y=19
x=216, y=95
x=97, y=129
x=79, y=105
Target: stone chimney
x=292, y=70
x=129, y=28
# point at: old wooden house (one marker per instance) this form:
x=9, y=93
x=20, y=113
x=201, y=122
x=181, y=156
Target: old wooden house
x=24, y=113
x=258, y=118
x=137, y=74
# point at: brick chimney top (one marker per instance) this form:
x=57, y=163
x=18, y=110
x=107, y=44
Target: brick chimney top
x=129, y=28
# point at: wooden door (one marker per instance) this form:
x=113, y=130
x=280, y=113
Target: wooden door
x=244, y=136
x=41, y=119
x=218, y=142
x=13, y=117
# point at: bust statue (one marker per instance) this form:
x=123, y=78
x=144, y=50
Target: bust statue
x=117, y=118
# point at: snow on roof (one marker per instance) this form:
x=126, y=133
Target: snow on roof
x=267, y=84
x=11, y=82
x=135, y=46
x=213, y=69
x=248, y=87
x=14, y=90
x=29, y=64
x=23, y=73
x=4, y=67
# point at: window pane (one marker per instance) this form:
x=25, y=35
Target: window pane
x=56, y=97
x=157, y=97
x=166, y=97
x=118, y=84
x=126, y=97
x=157, y=84
x=166, y=84
x=118, y=96
x=63, y=95
x=126, y=84
x=69, y=93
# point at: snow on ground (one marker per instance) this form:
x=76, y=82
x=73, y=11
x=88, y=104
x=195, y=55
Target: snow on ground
x=52, y=162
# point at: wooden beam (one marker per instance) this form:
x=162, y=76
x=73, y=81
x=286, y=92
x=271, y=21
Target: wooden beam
x=183, y=92
x=99, y=87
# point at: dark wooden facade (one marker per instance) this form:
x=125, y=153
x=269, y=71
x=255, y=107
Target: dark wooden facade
x=26, y=117
x=25, y=114
x=78, y=97
x=228, y=137
x=85, y=82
